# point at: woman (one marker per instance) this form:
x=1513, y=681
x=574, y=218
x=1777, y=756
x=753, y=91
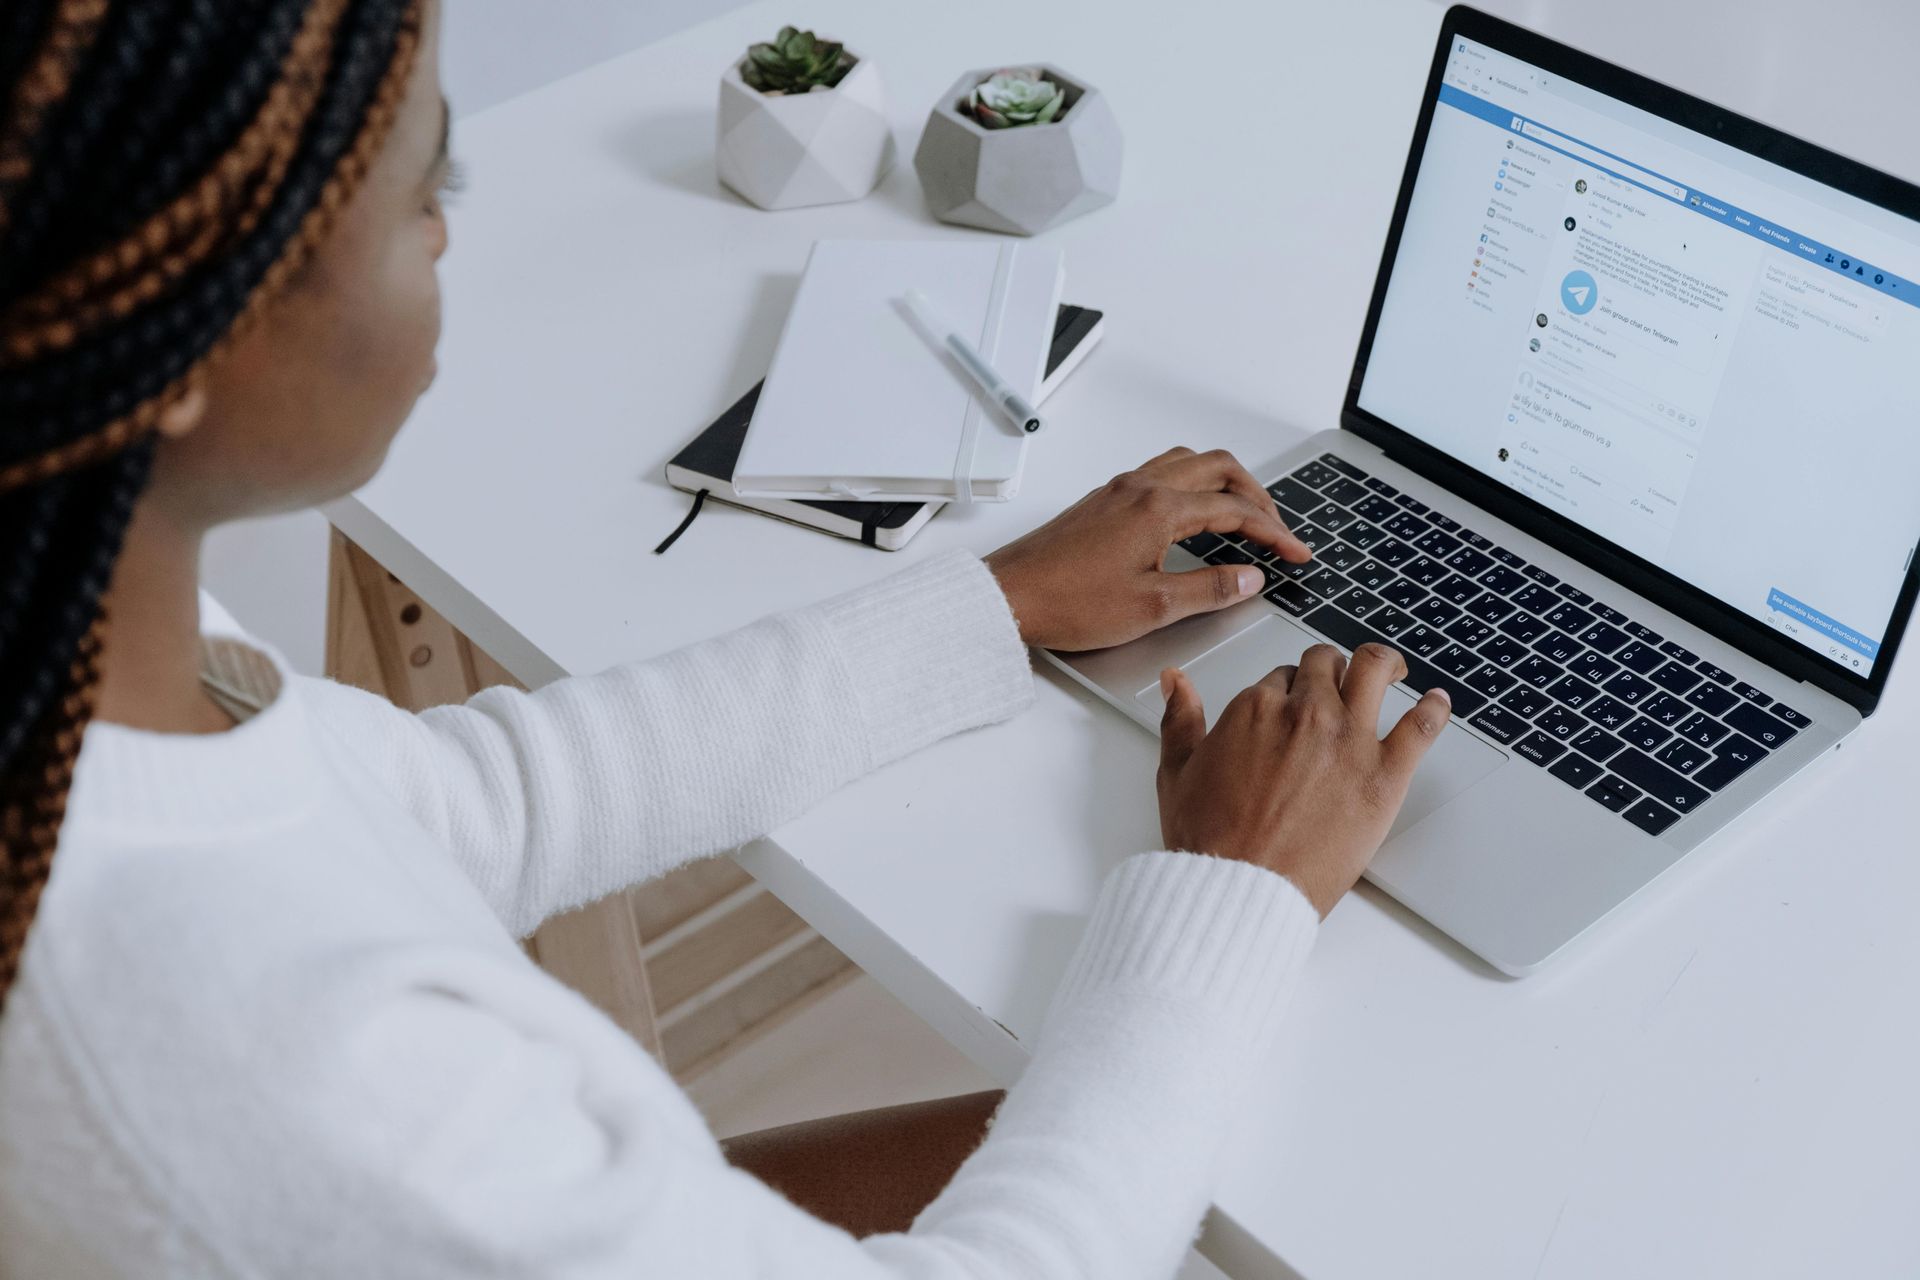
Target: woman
x=264, y=1014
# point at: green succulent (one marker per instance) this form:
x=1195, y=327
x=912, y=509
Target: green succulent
x=1016, y=96
x=796, y=62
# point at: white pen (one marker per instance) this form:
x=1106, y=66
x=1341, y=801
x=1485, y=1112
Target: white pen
x=937, y=330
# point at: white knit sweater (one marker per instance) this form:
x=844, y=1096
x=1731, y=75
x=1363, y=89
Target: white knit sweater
x=272, y=1020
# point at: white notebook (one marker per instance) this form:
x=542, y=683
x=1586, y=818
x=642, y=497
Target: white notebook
x=859, y=406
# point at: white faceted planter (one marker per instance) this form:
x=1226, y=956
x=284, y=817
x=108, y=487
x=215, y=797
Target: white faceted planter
x=783, y=151
x=1027, y=178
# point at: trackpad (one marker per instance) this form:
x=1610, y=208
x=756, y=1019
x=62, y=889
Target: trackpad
x=1456, y=762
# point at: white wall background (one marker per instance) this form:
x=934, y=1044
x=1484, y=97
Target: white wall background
x=1834, y=71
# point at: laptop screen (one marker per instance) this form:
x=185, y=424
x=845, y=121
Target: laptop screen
x=1705, y=358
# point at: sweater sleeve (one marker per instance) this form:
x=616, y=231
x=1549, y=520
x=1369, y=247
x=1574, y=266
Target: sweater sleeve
x=557, y=797
x=478, y=1139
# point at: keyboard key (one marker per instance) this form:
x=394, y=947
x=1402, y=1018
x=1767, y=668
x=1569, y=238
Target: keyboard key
x=1489, y=679
x=1456, y=660
x=1675, y=678
x=1274, y=577
x=1426, y=571
x=1502, y=726
x=1489, y=608
x=1559, y=723
x=1436, y=543
x=1369, y=573
x=1713, y=673
x=1501, y=579
x=1640, y=656
x=1293, y=598
x=1721, y=773
x=1541, y=576
x=1666, y=709
x=1572, y=691
x=1574, y=593
x=1474, y=540
x=1340, y=555
x=1332, y=517
x=1658, y=781
x=1507, y=558
x=1525, y=701
x=1557, y=645
x=1539, y=748
x=1682, y=756
x=1405, y=525
x=1712, y=699
x=1598, y=744
x=1576, y=771
x=1346, y=492
x=1390, y=622
x=1650, y=817
x=1762, y=726
x=1325, y=582
x=1312, y=534
x=1316, y=475
x=1422, y=641
x=1359, y=602
x=1569, y=618
x=1791, y=716
x=1470, y=562
x=1752, y=694
x=1702, y=729
x=1458, y=589
x=1380, y=486
x=1608, y=713
x=1393, y=553
x=1344, y=467
x=1603, y=638
x=1536, y=671
x=1608, y=614
x=1646, y=735
x=1469, y=632
x=1742, y=750
x=1592, y=666
x=1679, y=654
x=1403, y=593
x=1444, y=522
x=1201, y=543
x=1227, y=553
x=1365, y=536
x=1627, y=687
x=1412, y=504
x=1524, y=627
x=1503, y=651
x=1374, y=507
x=1611, y=793
x=1291, y=493
x=1421, y=675
x=1435, y=613
x=1535, y=597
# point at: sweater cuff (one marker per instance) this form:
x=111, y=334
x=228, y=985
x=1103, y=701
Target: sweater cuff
x=1225, y=939
x=930, y=651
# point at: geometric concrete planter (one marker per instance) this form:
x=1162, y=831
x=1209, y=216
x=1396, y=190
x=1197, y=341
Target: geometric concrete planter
x=1025, y=179
x=782, y=151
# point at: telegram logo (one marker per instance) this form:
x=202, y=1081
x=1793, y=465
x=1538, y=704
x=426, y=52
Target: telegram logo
x=1578, y=292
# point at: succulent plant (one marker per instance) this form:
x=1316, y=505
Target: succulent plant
x=796, y=62
x=1015, y=96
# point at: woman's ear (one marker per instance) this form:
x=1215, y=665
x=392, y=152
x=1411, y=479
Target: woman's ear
x=184, y=414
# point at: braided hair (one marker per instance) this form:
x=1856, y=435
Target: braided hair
x=166, y=166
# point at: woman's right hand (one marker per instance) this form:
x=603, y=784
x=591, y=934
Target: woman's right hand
x=1292, y=777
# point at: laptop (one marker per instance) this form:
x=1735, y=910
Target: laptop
x=1626, y=465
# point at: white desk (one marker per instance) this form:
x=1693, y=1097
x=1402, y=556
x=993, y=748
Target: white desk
x=1719, y=1085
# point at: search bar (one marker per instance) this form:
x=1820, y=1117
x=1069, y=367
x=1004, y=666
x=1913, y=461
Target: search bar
x=1598, y=160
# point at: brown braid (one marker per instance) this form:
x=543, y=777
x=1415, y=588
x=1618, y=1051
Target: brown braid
x=155, y=282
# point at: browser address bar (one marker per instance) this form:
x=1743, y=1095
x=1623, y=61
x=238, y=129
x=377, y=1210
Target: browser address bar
x=1599, y=161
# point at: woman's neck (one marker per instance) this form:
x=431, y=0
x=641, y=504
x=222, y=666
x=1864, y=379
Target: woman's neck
x=150, y=662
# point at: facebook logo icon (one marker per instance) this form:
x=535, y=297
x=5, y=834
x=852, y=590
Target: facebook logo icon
x=1516, y=122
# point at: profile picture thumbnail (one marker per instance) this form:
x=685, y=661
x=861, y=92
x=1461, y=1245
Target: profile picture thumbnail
x=1541, y=319
x=1580, y=185
x=1504, y=455
x=1569, y=224
x=1533, y=344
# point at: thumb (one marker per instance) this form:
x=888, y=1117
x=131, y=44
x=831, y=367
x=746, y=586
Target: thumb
x=1183, y=724
x=1205, y=590
x=1406, y=744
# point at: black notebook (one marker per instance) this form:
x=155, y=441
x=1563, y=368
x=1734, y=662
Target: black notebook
x=706, y=465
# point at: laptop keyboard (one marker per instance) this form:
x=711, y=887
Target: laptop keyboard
x=1628, y=718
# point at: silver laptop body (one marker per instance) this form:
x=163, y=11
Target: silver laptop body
x=1550, y=801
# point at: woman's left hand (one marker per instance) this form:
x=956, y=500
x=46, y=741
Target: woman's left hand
x=1095, y=574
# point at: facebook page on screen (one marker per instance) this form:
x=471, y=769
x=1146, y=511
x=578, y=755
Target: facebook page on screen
x=1710, y=360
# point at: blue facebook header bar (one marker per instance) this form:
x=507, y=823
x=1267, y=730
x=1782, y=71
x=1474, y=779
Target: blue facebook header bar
x=1803, y=247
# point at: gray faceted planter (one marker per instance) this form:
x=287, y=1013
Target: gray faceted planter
x=1024, y=179
x=785, y=151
